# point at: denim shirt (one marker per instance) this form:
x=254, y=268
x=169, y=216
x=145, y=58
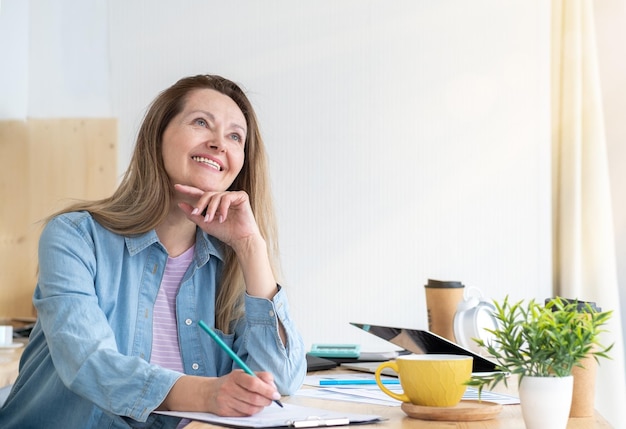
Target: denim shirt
x=87, y=361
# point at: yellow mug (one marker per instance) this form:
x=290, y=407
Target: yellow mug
x=434, y=380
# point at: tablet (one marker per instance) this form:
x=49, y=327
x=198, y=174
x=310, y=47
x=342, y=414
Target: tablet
x=420, y=341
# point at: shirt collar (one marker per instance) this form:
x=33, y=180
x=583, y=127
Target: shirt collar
x=206, y=245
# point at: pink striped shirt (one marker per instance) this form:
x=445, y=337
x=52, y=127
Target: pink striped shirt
x=165, y=346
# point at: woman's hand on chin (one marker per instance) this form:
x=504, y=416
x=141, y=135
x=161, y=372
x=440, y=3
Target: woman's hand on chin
x=225, y=215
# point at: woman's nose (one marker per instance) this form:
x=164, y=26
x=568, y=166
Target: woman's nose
x=217, y=143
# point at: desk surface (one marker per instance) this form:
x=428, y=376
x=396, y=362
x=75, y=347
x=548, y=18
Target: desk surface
x=509, y=418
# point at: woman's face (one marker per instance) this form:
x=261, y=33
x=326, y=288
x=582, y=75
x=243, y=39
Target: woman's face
x=203, y=146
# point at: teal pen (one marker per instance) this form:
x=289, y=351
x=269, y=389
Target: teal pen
x=331, y=382
x=230, y=352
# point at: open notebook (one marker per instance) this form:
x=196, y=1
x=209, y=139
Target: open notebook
x=290, y=416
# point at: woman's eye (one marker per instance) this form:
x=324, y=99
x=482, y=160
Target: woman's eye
x=236, y=137
x=201, y=122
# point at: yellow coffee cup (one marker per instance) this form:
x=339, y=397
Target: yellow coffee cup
x=434, y=380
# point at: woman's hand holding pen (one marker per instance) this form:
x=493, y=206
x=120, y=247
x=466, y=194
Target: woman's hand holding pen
x=236, y=394
x=241, y=394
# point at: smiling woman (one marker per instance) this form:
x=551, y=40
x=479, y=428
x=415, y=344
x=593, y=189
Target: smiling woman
x=179, y=241
x=209, y=133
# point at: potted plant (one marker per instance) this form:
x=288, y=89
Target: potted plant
x=541, y=344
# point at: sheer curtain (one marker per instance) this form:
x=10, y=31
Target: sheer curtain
x=584, y=248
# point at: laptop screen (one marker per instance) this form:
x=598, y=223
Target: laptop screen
x=425, y=342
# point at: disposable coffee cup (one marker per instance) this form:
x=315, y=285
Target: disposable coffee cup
x=6, y=335
x=442, y=300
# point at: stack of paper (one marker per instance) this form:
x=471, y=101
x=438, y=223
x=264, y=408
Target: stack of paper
x=363, y=388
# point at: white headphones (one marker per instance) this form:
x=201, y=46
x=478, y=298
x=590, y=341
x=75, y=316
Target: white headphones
x=472, y=316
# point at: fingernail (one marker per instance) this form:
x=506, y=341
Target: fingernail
x=195, y=211
x=276, y=396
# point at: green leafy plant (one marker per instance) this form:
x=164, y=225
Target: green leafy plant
x=541, y=340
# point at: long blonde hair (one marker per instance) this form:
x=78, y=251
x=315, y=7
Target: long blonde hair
x=142, y=200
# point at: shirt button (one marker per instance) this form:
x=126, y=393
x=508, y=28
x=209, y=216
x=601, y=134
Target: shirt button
x=188, y=322
x=195, y=366
x=271, y=313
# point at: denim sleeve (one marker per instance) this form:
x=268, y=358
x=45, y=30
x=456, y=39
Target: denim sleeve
x=258, y=340
x=82, y=343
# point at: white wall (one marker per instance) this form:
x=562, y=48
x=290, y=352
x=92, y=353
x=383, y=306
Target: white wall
x=14, y=29
x=54, y=59
x=407, y=139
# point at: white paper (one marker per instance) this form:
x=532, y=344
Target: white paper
x=275, y=416
x=371, y=394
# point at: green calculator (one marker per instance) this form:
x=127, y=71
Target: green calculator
x=336, y=350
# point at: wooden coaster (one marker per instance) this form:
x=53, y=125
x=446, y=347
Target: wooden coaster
x=463, y=411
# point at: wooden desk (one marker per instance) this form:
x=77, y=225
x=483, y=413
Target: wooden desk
x=509, y=418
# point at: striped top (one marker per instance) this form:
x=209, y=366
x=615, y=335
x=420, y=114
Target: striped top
x=165, y=346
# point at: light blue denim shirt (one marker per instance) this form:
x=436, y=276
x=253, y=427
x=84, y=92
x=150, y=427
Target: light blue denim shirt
x=87, y=362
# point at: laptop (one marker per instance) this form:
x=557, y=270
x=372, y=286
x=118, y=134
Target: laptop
x=419, y=342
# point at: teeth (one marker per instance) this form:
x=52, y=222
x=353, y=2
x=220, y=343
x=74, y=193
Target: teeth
x=207, y=162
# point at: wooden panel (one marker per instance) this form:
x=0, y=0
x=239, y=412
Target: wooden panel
x=16, y=266
x=45, y=163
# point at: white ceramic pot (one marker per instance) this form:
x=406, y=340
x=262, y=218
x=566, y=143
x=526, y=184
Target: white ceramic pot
x=546, y=401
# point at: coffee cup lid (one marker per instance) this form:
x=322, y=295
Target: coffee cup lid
x=443, y=284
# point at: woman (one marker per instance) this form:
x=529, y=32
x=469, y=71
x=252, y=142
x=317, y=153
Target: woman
x=188, y=235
